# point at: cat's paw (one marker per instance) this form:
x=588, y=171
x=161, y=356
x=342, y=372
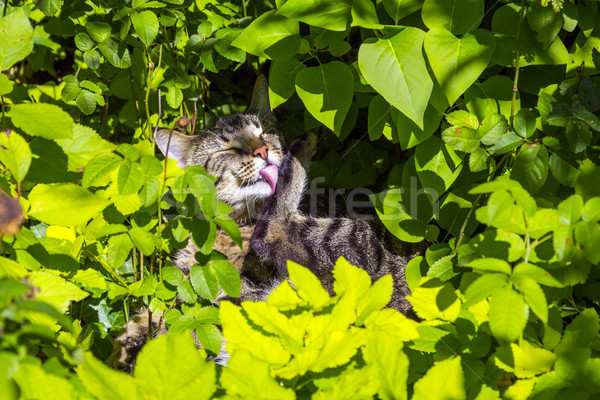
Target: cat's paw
x=135, y=333
x=304, y=147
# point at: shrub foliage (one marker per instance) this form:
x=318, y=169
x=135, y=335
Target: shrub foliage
x=473, y=124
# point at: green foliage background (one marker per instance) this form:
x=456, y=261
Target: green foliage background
x=474, y=121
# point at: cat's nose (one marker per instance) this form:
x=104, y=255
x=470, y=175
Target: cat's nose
x=260, y=152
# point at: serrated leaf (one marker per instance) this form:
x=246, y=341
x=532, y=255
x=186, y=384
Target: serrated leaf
x=525, y=122
x=16, y=38
x=115, y=53
x=145, y=24
x=493, y=127
x=508, y=314
x=228, y=276
x=15, y=154
x=478, y=160
x=192, y=374
x=101, y=380
x=97, y=171
x=99, y=31
x=564, y=172
x=83, y=41
x=142, y=240
x=308, y=285
x=588, y=237
x=204, y=281
x=507, y=142
x=531, y=167
x=174, y=96
x=40, y=119
x=461, y=138
x=483, y=287
x=130, y=178
x=92, y=58
x=66, y=204
x=86, y=102
x=396, y=69
x=83, y=147
x=435, y=300
x=445, y=380
x=533, y=294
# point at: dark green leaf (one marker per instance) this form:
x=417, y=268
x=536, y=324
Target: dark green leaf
x=204, y=281
x=531, y=167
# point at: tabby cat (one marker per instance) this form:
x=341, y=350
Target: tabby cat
x=265, y=187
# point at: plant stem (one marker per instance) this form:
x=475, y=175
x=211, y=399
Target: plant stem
x=107, y=268
x=135, y=100
x=461, y=235
x=517, y=55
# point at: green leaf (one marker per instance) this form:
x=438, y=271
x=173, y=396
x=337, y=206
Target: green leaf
x=15, y=154
x=83, y=147
x=462, y=118
x=119, y=247
x=461, y=138
x=16, y=38
x=97, y=171
x=524, y=359
x=249, y=377
x=11, y=268
x=142, y=240
x=435, y=300
x=92, y=58
x=540, y=275
x=66, y=204
x=531, y=167
x=533, y=294
x=525, y=122
x=364, y=14
x=456, y=16
x=588, y=237
x=490, y=265
x=386, y=355
x=329, y=14
x=564, y=172
x=174, y=96
x=457, y=63
x=210, y=337
x=101, y=380
x=115, y=53
x=191, y=375
x=570, y=210
x=396, y=69
x=591, y=210
x=308, y=286
x=326, y=91
x=149, y=192
x=483, y=287
x=6, y=85
x=507, y=142
x=478, y=160
x=185, y=291
x=502, y=213
x=228, y=277
x=581, y=331
x=508, y=314
x=145, y=24
x=378, y=118
x=99, y=31
x=83, y=41
x=226, y=223
x=445, y=380
x=130, y=178
x=204, y=281
x=272, y=36
x=203, y=189
x=49, y=7
x=55, y=291
x=398, y=9
x=86, y=102
x=545, y=23
x=282, y=76
x=437, y=165
x=45, y=120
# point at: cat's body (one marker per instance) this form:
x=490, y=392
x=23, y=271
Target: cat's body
x=264, y=187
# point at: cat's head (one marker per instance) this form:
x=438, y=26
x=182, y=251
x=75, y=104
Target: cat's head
x=242, y=151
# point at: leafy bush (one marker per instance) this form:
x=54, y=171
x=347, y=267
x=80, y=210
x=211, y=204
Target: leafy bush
x=472, y=124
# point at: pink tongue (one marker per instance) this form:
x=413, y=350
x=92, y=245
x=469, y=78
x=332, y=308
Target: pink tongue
x=270, y=172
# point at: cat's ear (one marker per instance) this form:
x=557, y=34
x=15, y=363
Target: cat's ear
x=260, y=103
x=180, y=146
